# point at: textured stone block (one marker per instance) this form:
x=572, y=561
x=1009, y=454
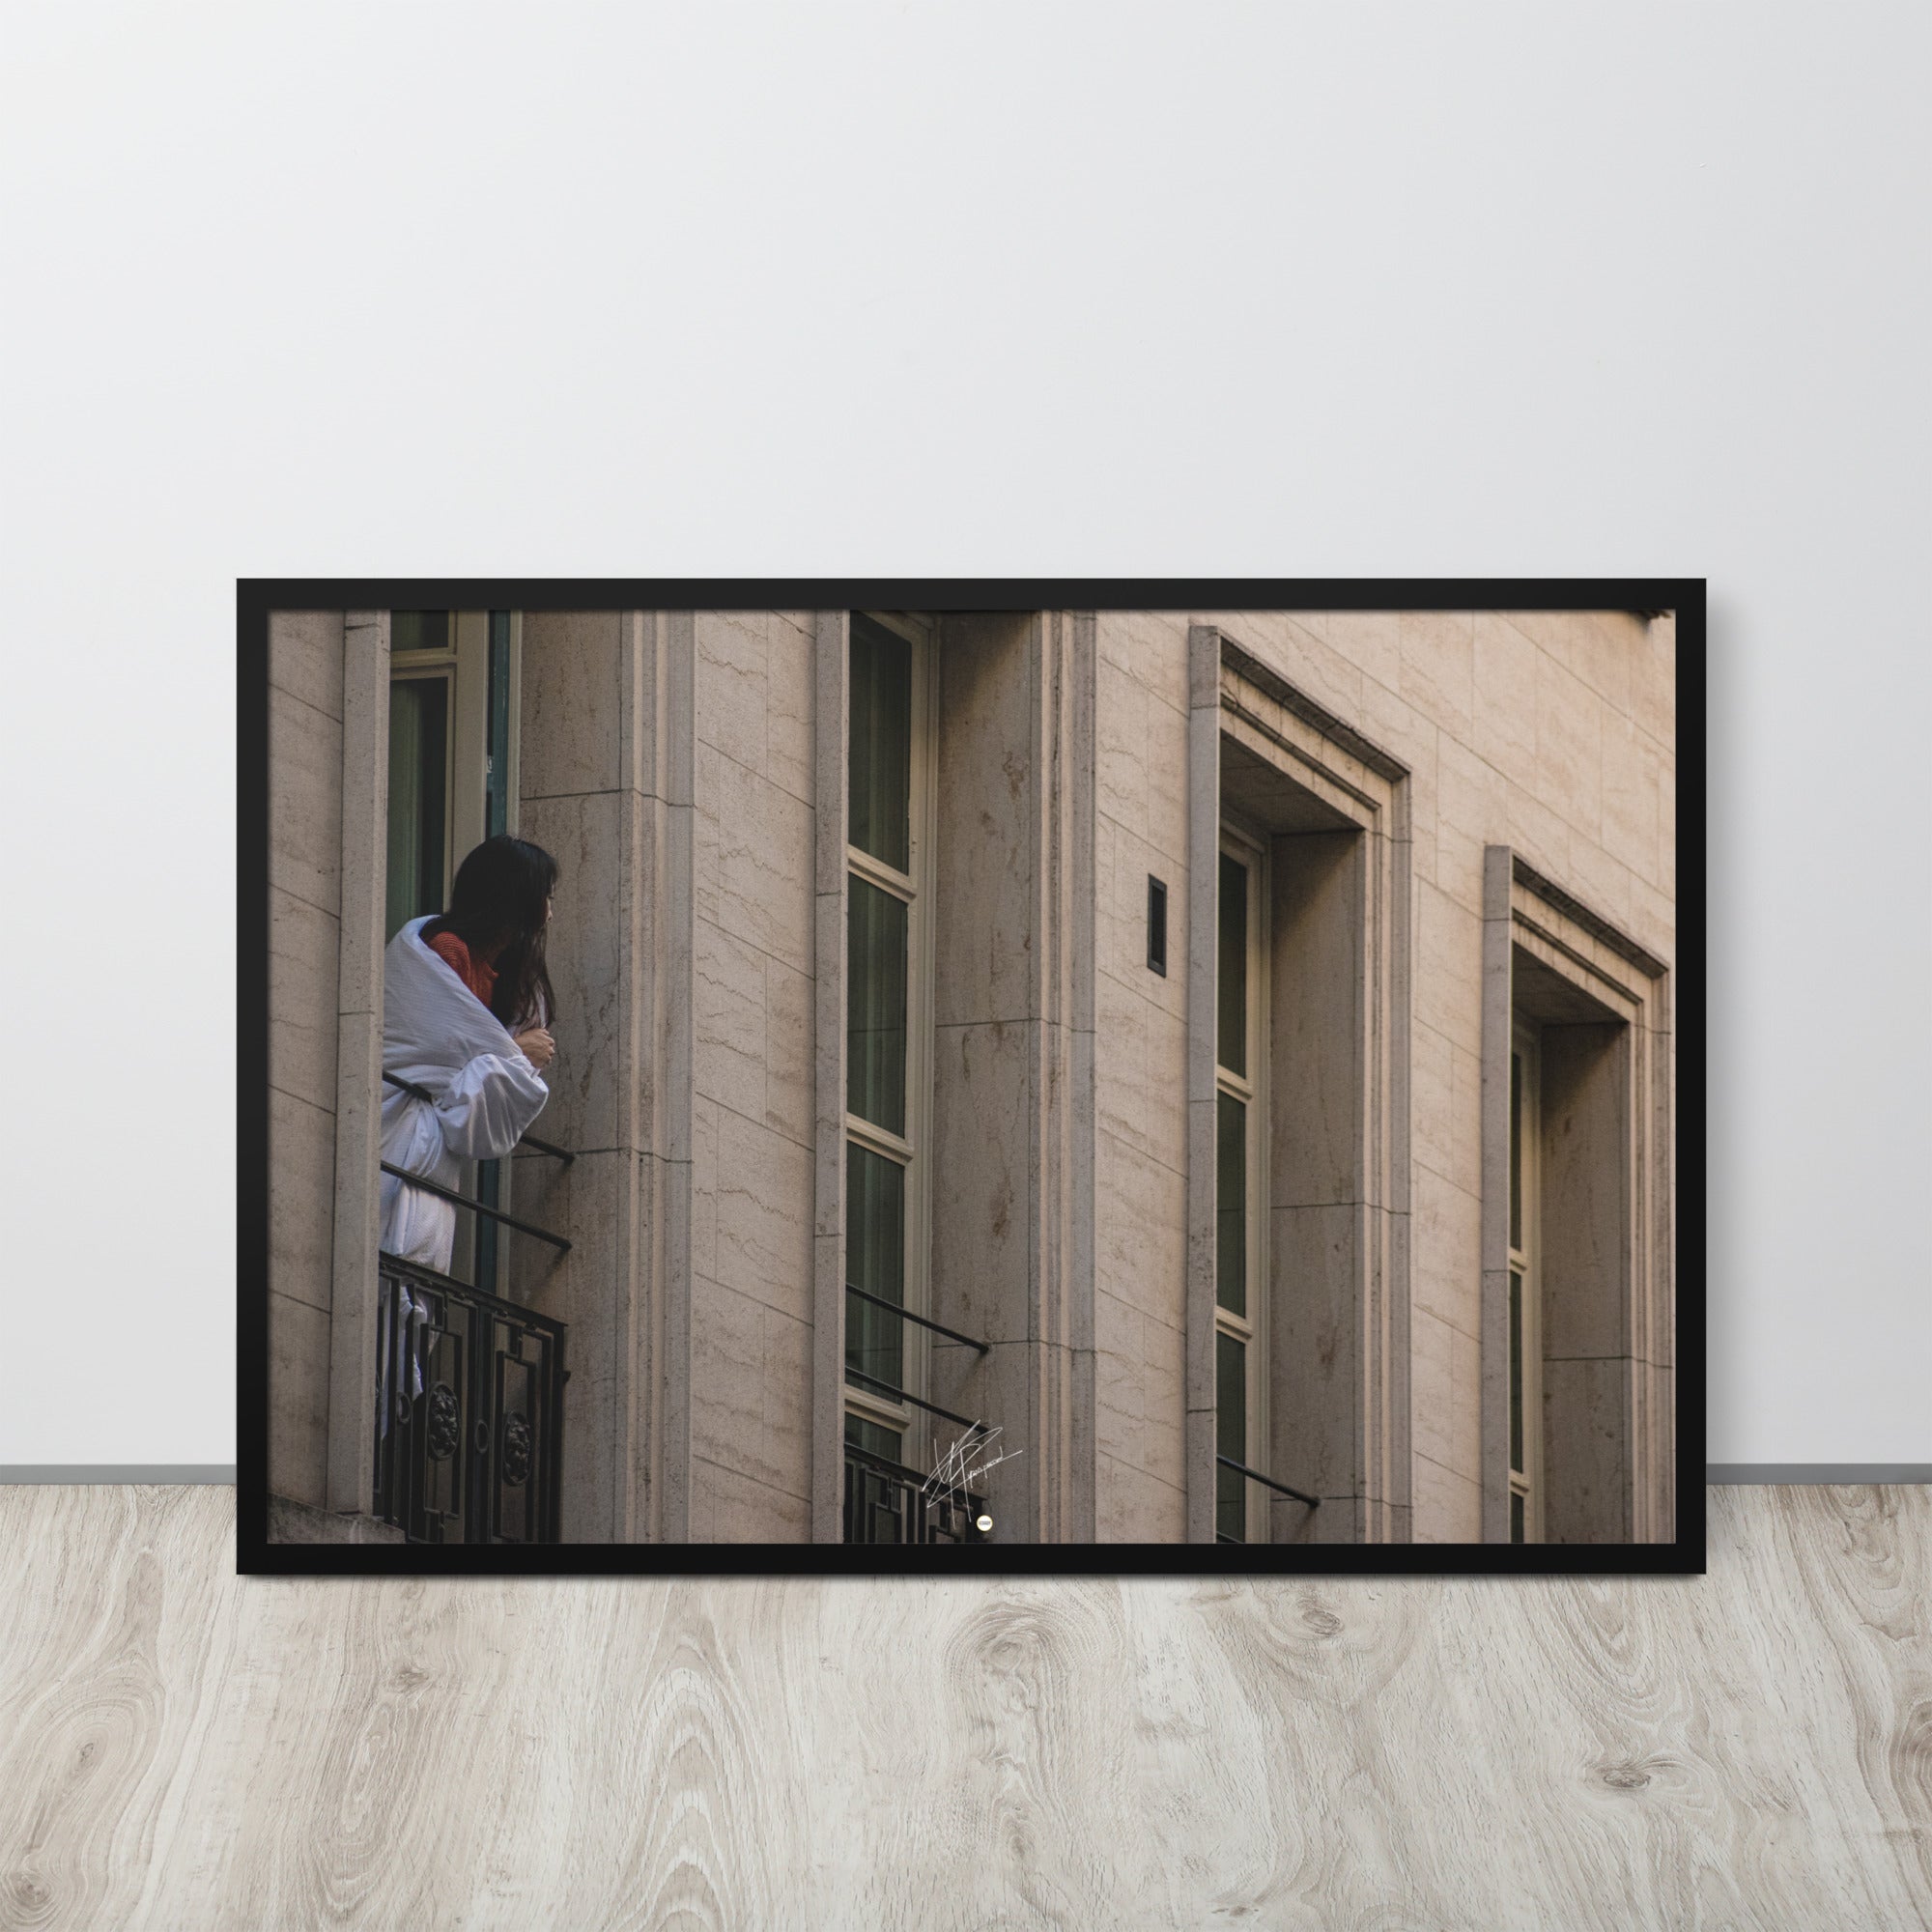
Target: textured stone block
x=750, y=1389
x=1471, y=813
x=790, y=678
x=305, y=659
x=1446, y=1230
x=764, y=1216
x=302, y=947
x=729, y=1507
x=1163, y=764
x=1586, y=1451
x=1134, y=1506
x=788, y=1052
x=729, y=993
x=1633, y=785
x=1438, y=668
x=731, y=684
x=761, y=888
x=1141, y=1230
x=1540, y=832
x=571, y=733
x=1568, y=747
x=301, y=1198
x=297, y=1399
x=304, y=802
x=981, y=1084
x=1448, y=1507
x=1370, y=639
x=1121, y=725
x=1123, y=1094
x=1448, y=980
x=1137, y=1384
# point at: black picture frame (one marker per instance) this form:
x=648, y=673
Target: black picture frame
x=257, y=597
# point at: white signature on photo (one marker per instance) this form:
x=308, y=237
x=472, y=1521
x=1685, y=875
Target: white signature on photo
x=967, y=1461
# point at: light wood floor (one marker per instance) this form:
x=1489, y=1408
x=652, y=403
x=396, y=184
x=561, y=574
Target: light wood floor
x=181, y=1747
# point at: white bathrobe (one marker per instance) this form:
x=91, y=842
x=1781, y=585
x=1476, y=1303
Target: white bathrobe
x=439, y=1036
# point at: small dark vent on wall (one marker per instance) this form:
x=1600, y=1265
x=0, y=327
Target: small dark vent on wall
x=1156, y=925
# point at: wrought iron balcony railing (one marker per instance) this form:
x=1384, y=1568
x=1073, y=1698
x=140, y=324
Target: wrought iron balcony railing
x=886, y=1502
x=470, y=1434
x=468, y=1396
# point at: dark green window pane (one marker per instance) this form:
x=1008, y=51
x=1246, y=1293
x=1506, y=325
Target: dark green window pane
x=1516, y=1370
x=1231, y=1436
x=1516, y=1150
x=418, y=788
x=875, y=1006
x=874, y=1437
x=496, y=761
x=418, y=630
x=875, y=1262
x=1230, y=1204
x=881, y=745
x=1233, y=1047
x=1515, y=1520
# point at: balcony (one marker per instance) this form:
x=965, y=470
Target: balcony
x=468, y=1396
x=470, y=1428
x=886, y=1502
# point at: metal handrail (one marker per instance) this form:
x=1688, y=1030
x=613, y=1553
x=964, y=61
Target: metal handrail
x=529, y=1141
x=1256, y=1476
x=449, y=1194
x=928, y=1485
x=885, y=1389
x=924, y=1320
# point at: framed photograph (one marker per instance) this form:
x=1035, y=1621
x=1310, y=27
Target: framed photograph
x=887, y=1076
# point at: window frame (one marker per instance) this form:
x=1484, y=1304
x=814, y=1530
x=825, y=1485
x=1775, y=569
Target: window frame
x=1525, y=1177
x=463, y=666
x=1249, y=846
x=913, y=888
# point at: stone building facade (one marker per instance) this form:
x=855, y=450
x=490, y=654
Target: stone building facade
x=1245, y=1036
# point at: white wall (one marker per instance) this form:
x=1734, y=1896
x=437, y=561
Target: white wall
x=971, y=289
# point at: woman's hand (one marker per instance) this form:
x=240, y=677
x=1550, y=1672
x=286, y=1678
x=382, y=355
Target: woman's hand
x=538, y=1048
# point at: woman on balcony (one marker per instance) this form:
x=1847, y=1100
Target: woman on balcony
x=466, y=1009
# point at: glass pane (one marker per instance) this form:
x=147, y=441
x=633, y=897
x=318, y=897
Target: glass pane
x=1233, y=1046
x=881, y=748
x=1231, y=1436
x=1230, y=1204
x=418, y=730
x=418, y=630
x=497, y=753
x=875, y=1262
x=1516, y=1150
x=875, y=1006
x=875, y=1437
x=1516, y=1370
x=1515, y=1520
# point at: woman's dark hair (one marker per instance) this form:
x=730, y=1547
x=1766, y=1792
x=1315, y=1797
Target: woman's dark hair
x=500, y=904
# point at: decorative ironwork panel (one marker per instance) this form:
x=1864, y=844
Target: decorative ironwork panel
x=887, y=1503
x=468, y=1412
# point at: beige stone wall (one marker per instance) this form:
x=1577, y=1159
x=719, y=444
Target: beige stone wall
x=752, y=1202
x=305, y=656
x=1140, y=1077
x=1552, y=733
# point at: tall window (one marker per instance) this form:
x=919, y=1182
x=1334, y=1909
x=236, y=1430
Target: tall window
x=1525, y=1298
x=1240, y=1192
x=452, y=784
x=888, y=997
